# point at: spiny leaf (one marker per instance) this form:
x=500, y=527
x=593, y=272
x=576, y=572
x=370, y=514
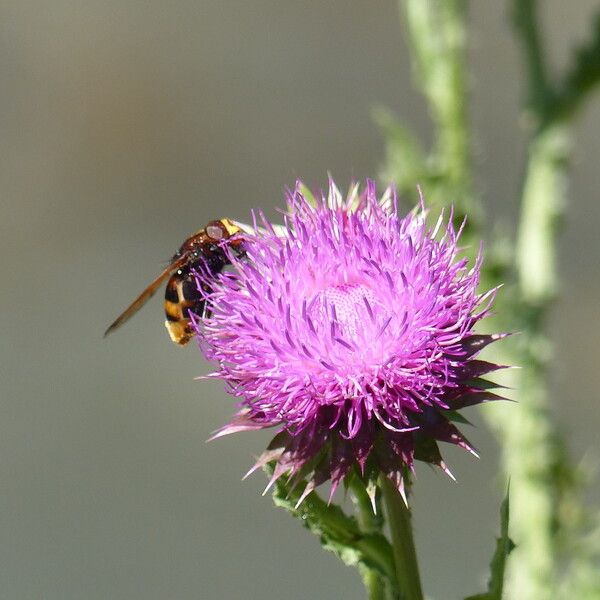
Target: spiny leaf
x=504, y=547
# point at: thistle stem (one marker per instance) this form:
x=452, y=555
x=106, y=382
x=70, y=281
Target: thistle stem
x=369, y=522
x=405, y=556
x=373, y=584
x=437, y=38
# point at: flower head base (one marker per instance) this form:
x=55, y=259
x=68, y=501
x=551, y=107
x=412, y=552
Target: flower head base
x=351, y=330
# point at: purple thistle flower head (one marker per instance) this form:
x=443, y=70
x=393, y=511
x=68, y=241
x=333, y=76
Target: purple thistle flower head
x=351, y=330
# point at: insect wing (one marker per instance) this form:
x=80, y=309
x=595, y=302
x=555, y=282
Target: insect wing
x=145, y=295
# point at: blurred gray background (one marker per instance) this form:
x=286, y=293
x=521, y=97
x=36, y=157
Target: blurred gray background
x=126, y=125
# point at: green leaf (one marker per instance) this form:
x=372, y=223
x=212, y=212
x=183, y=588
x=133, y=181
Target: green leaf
x=504, y=547
x=338, y=532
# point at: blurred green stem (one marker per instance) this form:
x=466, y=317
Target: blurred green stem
x=437, y=38
x=542, y=206
x=524, y=19
x=533, y=453
x=534, y=458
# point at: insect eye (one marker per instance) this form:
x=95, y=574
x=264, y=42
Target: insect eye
x=215, y=232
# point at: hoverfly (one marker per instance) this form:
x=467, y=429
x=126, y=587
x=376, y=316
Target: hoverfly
x=201, y=251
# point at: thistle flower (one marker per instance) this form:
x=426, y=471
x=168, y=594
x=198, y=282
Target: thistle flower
x=350, y=329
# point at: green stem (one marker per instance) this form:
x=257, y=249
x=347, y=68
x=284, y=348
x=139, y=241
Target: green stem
x=524, y=17
x=541, y=209
x=533, y=454
x=405, y=556
x=373, y=584
x=369, y=522
x=437, y=38
x=542, y=486
x=338, y=532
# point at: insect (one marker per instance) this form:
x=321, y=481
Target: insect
x=201, y=251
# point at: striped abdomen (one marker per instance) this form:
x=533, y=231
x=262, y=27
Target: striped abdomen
x=181, y=298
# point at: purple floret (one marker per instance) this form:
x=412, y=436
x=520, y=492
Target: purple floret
x=352, y=332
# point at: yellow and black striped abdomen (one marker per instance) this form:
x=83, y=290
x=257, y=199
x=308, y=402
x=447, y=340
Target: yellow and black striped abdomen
x=181, y=298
